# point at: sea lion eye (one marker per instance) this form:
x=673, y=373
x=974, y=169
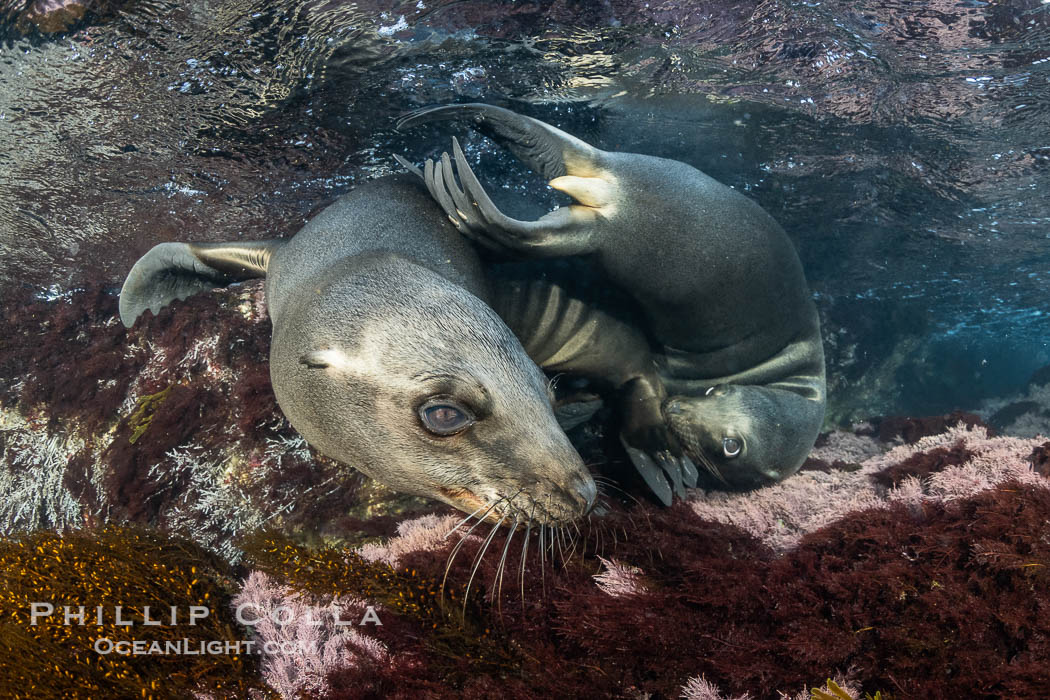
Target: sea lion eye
x=444, y=418
x=731, y=447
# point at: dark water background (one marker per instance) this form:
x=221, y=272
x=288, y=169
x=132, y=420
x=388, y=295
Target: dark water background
x=905, y=146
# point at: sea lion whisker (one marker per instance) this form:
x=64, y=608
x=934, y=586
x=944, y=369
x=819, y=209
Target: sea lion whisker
x=543, y=560
x=500, y=569
x=455, y=550
x=625, y=493
x=709, y=465
x=593, y=529
x=503, y=559
x=579, y=540
x=477, y=561
x=561, y=547
x=524, y=554
x=573, y=542
x=457, y=525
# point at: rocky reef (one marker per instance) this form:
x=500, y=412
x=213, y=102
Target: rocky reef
x=907, y=558
x=171, y=424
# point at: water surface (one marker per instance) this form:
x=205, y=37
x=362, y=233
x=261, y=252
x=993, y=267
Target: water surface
x=904, y=146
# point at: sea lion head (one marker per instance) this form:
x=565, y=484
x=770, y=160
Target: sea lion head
x=746, y=436
x=407, y=377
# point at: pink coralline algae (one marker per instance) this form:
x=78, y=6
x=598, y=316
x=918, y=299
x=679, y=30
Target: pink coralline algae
x=301, y=643
x=780, y=515
x=423, y=534
x=619, y=580
x=700, y=688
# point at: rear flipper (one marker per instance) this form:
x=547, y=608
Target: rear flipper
x=573, y=166
x=544, y=148
x=172, y=271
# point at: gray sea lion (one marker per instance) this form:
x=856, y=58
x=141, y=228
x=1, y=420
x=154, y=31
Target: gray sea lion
x=734, y=368
x=386, y=356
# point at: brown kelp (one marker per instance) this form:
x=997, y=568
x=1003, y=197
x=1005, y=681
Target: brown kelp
x=82, y=577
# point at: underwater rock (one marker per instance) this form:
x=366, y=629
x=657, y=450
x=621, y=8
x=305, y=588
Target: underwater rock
x=891, y=594
x=1026, y=414
x=957, y=463
x=172, y=423
x=1009, y=413
x=1041, y=459
x=880, y=578
x=1040, y=377
x=54, y=16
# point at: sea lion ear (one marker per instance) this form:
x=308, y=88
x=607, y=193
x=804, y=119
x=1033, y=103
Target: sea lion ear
x=172, y=271
x=336, y=359
x=317, y=359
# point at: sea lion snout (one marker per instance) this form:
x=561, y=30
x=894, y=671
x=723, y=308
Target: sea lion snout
x=573, y=495
x=559, y=490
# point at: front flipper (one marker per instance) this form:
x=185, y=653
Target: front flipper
x=650, y=445
x=172, y=271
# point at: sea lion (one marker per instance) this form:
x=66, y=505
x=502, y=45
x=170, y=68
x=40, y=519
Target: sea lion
x=386, y=356
x=733, y=372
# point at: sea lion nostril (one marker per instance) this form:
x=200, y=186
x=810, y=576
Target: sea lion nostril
x=587, y=489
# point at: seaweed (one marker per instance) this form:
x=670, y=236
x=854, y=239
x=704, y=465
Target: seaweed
x=142, y=417
x=835, y=692
x=924, y=463
x=813, y=464
x=66, y=360
x=452, y=628
x=898, y=596
x=132, y=568
x=911, y=430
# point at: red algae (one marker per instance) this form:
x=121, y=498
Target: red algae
x=947, y=602
x=924, y=463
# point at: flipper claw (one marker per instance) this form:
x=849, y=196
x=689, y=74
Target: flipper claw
x=650, y=472
x=689, y=472
x=404, y=163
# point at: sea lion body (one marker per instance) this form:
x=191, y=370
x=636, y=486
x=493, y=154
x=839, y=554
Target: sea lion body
x=386, y=356
x=390, y=215
x=727, y=360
